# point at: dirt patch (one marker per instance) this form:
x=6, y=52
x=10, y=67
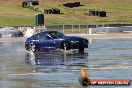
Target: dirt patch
x=10, y=1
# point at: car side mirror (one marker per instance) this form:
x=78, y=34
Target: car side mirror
x=49, y=37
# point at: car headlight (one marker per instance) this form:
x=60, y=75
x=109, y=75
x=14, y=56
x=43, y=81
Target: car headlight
x=74, y=41
x=86, y=41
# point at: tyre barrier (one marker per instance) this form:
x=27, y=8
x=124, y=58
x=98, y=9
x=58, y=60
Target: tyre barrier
x=49, y=11
x=35, y=3
x=46, y=11
x=52, y=11
x=24, y=4
x=28, y=3
x=77, y=3
x=71, y=5
x=93, y=12
x=102, y=14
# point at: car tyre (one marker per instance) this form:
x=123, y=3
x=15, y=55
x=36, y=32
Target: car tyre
x=65, y=46
x=81, y=47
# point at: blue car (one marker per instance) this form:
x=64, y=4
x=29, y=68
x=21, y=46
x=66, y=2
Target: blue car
x=50, y=40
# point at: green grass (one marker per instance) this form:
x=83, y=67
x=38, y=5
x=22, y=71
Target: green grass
x=13, y=15
x=10, y=20
x=118, y=12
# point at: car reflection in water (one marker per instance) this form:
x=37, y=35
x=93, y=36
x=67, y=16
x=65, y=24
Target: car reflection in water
x=56, y=58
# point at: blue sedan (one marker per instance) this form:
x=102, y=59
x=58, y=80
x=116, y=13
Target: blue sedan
x=50, y=40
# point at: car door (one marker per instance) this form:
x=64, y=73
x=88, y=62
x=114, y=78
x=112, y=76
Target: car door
x=45, y=41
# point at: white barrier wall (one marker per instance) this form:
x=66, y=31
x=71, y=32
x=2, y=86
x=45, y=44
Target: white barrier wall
x=110, y=29
x=126, y=28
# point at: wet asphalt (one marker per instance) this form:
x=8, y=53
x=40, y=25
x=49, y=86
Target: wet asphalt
x=104, y=59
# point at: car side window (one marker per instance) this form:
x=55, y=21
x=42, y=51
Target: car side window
x=35, y=36
x=42, y=36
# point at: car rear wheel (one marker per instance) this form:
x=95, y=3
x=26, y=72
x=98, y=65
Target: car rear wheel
x=65, y=46
x=32, y=47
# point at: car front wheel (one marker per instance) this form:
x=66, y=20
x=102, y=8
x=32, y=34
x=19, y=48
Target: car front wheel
x=81, y=47
x=65, y=46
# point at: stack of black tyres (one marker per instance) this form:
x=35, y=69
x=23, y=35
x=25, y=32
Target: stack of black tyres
x=93, y=12
x=102, y=14
x=71, y=5
x=26, y=3
x=35, y=3
x=52, y=11
x=55, y=11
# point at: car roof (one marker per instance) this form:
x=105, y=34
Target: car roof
x=47, y=32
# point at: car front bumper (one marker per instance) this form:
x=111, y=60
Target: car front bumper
x=78, y=45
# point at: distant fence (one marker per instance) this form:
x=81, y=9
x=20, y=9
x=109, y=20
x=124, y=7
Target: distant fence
x=70, y=28
x=83, y=28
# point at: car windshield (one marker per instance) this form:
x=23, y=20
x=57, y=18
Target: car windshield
x=56, y=34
